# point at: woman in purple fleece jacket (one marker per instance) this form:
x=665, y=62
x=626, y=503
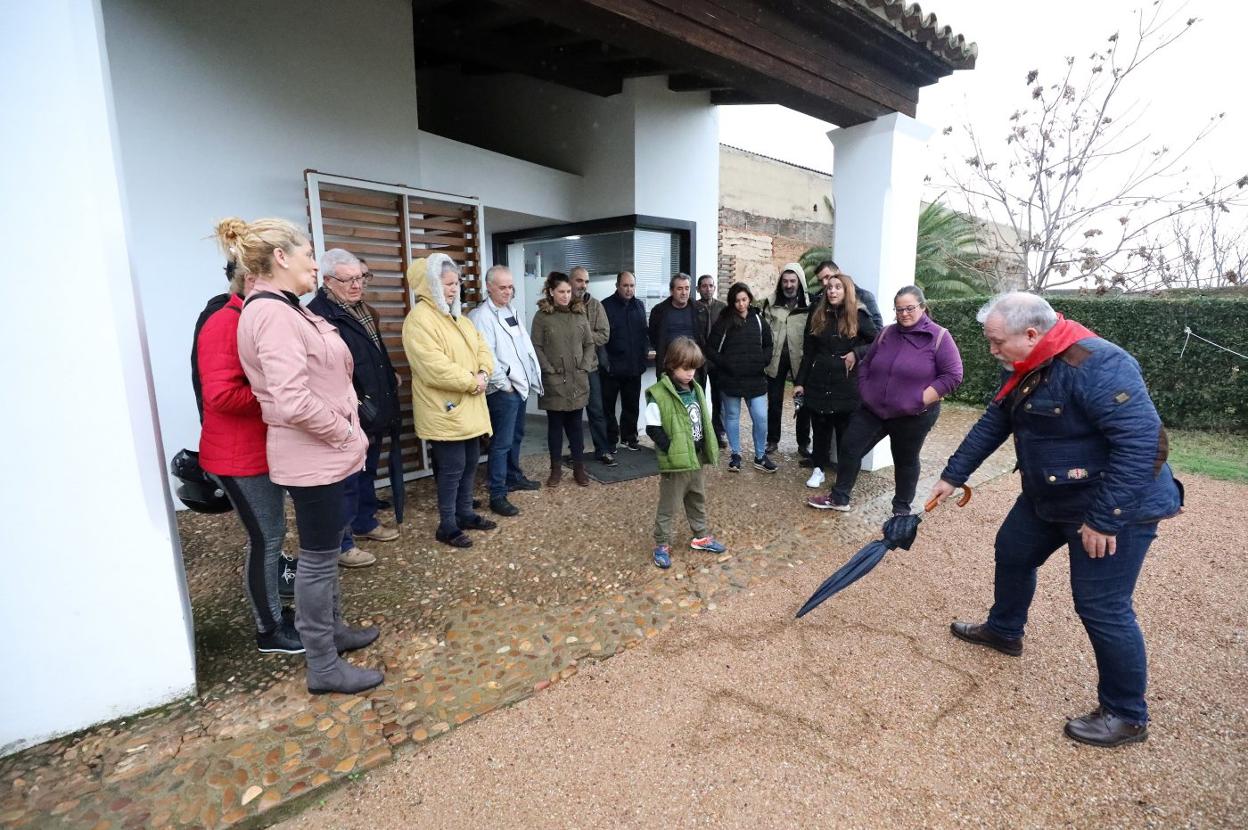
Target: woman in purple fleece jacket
x=910, y=367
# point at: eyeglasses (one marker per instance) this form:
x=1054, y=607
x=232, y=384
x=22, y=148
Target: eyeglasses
x=907, y=309
x=362, y=279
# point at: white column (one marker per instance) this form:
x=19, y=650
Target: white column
x=877, y=180
x=93, y=603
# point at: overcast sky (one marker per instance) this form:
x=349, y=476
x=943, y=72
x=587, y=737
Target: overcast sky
x=1201, y=75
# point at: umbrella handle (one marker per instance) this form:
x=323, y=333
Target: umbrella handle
x=962, y=502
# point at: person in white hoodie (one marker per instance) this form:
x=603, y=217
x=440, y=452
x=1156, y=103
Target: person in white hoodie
x=516, y=375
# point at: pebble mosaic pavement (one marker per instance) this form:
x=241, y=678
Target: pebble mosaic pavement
x=463, y=634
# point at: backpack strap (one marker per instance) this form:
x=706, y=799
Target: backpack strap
x=269, y=295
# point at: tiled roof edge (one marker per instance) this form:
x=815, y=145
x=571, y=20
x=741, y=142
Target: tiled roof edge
x=925, y=29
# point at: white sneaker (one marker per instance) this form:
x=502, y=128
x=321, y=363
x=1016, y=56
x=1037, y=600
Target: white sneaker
x=816, y=478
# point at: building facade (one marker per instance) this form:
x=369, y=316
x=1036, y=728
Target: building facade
x=492, y=130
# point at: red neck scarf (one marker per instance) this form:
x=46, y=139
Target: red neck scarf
x=1055, y=341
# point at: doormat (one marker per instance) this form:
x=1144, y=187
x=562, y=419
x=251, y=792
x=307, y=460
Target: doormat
x=631, y=464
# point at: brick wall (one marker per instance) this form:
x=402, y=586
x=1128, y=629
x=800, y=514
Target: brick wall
x=753, y=249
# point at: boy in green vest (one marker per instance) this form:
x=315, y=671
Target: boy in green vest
x=678, y=423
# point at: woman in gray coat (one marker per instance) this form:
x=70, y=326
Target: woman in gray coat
x=564, y=343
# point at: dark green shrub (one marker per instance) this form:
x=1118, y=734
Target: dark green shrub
x=1205, y=389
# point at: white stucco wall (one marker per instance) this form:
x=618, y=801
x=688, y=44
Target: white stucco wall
x=220, y=108
x=218, y=119
x=676, y=161
x=92, y=603
x=766, y=187
x=499, y=181
x=878, y=169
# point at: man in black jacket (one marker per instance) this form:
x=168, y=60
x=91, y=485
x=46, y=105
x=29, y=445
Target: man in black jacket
x=341, y=302
x=678, y=316
x=626, y=351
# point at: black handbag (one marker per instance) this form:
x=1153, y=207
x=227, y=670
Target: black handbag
x=368, y=414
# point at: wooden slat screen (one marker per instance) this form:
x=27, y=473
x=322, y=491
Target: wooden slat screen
x=369, y=222
x=451, y=229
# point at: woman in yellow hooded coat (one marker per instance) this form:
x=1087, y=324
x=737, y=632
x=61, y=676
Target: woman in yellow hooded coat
x=450, y=365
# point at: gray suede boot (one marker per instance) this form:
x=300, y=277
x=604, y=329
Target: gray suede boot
x=316, y=589
x=347, y=638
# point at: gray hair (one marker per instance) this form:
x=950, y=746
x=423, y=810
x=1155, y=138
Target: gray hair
x=494, y=269
x=331, y=259
x=1019, y=311
x=444, y=263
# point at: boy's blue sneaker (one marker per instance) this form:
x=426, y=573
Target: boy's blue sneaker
x=708, y=543
x=734, y=464
x=663, y=556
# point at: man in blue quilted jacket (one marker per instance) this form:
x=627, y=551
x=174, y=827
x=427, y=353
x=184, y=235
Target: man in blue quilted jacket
x=1092, y=454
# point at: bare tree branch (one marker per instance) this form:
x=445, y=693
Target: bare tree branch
x=1089, y=198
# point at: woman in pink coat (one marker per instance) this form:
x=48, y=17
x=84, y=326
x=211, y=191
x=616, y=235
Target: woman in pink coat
x=300, y=371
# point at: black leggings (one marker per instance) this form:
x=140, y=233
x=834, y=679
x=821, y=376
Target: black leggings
x=826, y=426
x=906, y=436
x=558, y=423
x=319, y=515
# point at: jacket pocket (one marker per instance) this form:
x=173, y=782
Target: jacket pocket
x=1072, y=476
x=1043, y=407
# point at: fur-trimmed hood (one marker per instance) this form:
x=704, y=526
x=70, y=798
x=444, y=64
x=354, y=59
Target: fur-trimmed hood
x=803, y=298
x=425, y=278
x=547, y=306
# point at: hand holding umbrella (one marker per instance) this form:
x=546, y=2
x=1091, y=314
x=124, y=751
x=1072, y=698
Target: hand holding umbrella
x=899, y=532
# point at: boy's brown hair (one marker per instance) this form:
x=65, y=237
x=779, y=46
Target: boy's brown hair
x=683, y=353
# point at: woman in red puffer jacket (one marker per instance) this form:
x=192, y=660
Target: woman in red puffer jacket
x=232, y=450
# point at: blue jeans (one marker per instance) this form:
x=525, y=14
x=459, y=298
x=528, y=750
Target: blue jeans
x=359, y=495
x=1102, y=590
x=597, y=416
x=732, y=422
x=507, y=420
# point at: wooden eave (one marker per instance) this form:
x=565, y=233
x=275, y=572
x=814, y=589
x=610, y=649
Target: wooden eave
x=839, y=60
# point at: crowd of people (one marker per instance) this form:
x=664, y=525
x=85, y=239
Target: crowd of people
x=301, y=399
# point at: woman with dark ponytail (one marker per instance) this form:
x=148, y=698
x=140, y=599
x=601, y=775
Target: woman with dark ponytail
x=740, y=347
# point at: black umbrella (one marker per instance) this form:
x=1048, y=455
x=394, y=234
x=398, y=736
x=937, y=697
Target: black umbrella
x=899, y=532
x=395, y=462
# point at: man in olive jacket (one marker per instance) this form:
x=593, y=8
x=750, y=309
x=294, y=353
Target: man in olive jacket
x=604, y=450
x=786, y=314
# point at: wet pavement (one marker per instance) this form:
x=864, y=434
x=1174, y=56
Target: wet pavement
x=464, y=632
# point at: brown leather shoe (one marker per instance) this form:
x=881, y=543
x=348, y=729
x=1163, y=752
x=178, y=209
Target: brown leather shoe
x=556, y=473
x=579, y=475
x=1101, y=728
x=981, y=635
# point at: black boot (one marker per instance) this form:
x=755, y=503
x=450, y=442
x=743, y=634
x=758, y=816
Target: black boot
x=286, y=568
x=1101, y=728
x=982, y=635
x=502, y=507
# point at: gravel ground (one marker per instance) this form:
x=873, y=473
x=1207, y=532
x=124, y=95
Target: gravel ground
x=867, y=713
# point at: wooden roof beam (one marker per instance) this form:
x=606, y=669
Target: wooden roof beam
x=685, y=82
x=736, y=41
x=465, y=44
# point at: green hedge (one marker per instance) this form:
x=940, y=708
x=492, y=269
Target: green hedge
x=1206, y=389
